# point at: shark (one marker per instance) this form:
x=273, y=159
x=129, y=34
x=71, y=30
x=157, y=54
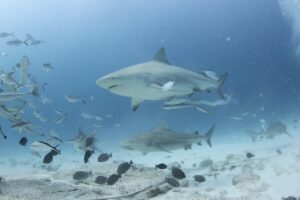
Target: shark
x=165, y=139
x=274, y=129
x=157, y=79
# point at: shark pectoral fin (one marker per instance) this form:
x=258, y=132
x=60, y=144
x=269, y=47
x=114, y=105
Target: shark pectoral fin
x=135, y=102
x=156, y=86
x=161, y=56
x=221, y=81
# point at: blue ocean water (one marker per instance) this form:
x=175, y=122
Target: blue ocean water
x=84, y=40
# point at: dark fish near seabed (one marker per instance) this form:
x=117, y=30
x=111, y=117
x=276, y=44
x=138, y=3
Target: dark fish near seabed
x=172, y=182
x=124, y=167
x=100, y=179
x=161, y=166
x=89, y=141
x=250, y=155
x=23, y=141
x=178, y=173
x=112, y=179
x=278, y=151
x=104, y=157
x=87, y=155
x=48, y=158
x=81, y=175
x=199, y=178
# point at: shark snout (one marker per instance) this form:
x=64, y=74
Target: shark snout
x=106, y=82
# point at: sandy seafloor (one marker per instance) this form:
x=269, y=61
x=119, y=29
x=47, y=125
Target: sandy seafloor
x=268, y=175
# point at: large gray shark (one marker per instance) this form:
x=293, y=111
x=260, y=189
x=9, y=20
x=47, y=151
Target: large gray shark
x=165, y=139
x=158, y=80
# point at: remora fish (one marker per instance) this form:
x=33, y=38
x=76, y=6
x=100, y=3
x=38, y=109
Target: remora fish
x=9, y=96
x=165, y=139
x=147, y=81
x=273, y=130
x=74, y=99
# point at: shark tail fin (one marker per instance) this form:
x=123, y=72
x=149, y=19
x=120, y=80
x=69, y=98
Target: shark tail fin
x=288, y=134
x=208, y=135
x=252, y=135
x=221, y=81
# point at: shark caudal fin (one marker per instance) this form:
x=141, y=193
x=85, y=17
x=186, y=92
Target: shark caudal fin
x=208, y=135
x=221, y=81
x=252, y=135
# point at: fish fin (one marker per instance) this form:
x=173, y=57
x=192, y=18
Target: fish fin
x=252, y=135
x=163, y=125
x=135, y=102
x=161, y=148
x=208, y=135
x=35, y=153
x=221, y=81
x=161, y=56
x=156, y=86
x=288, y=134
x=201, y=109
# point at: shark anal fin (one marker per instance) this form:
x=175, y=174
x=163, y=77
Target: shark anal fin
x=161, y=56
x=135, y=102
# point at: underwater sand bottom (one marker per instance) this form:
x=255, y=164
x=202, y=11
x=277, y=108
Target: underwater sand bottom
x=265, y=177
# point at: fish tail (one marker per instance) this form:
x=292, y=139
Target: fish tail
x=208, y=135
x=221, y=81
x=252, y=135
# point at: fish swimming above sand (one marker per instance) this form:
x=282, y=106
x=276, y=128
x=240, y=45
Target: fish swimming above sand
x=8, y=114
x=10, y=96
x=74, y=99
x=158, y=80
x=48, y=67
x=31, y=41
x=165, y=139
x=8, y=80
x=273, y=130
x=40, y=146
x=15, y=42
x=5, y=35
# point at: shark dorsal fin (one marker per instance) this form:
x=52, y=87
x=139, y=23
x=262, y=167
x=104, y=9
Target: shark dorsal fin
x=163, y=125
x=161, y=56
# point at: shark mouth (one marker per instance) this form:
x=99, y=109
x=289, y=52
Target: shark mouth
x=112, y=86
